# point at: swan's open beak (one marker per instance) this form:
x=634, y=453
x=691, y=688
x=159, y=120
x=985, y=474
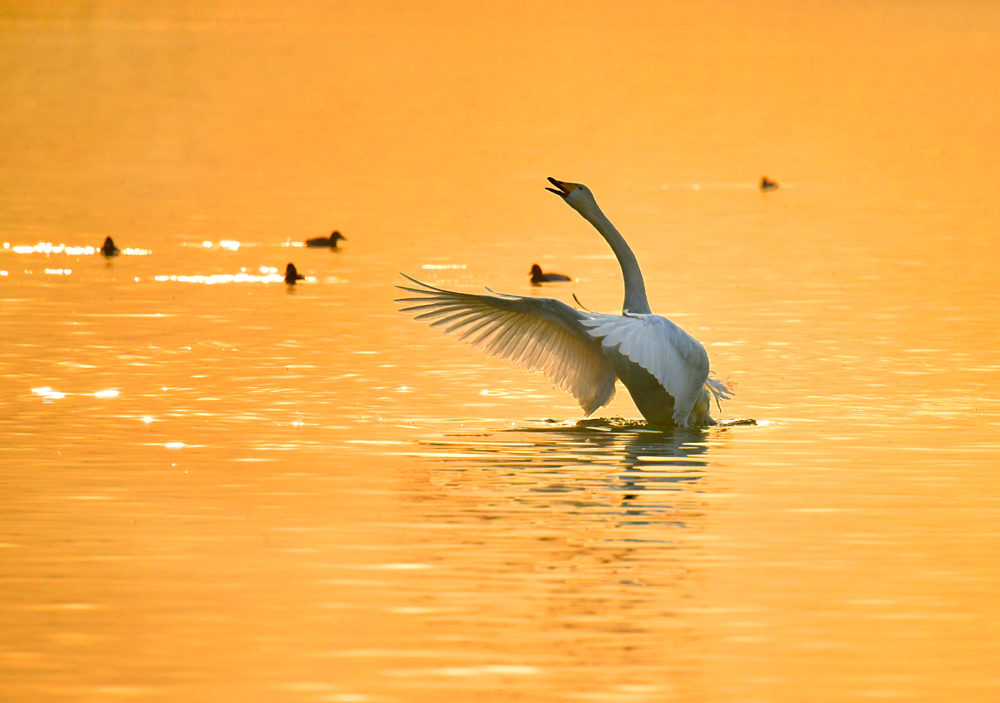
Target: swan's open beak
x=564, y=188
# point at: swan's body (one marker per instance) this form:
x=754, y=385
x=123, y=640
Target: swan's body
x=329, y=242
x=767, y=184
x=292, y=275
x=664, y=368
x=538, y=276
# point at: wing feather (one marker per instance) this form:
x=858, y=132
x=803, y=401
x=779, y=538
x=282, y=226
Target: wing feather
x=450, y=317
x=511, y=337
x=536, y=334
x=526, y=339
x=482, y=340
x=475, y=324
x=532, y=357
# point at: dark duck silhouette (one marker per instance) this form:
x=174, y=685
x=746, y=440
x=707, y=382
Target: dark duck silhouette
x=767, y=184
x=109, y=248
x=538, y=276
x=329, y=242
x=291, y=275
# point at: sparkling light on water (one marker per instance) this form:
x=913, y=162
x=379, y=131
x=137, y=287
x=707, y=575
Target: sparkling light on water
x=272, y=277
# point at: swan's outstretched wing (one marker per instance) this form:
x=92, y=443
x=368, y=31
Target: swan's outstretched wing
x=677, y=360
x=537, y=334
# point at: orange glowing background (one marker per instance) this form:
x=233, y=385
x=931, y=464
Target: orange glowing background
x=219, y=487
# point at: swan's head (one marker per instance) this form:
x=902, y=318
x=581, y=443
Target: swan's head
x=576, y=195
x=335, y=236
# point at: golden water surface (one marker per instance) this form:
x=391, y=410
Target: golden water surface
x=218, y=487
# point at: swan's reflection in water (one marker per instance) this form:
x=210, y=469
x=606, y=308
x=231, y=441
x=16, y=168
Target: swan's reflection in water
x=601, y=466
x=589, y=537
x=648, y=461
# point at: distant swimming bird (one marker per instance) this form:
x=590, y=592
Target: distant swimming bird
x=538, y=277
x=767, y=184
x=109, y=248
x=665, y=369
x=291, y=275
x=330, y=241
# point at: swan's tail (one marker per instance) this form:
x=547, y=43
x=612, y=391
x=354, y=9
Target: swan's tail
x=720, y=390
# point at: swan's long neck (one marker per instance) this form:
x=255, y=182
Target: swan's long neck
x=635, y=289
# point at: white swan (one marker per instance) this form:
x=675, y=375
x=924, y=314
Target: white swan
x=664, y=368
